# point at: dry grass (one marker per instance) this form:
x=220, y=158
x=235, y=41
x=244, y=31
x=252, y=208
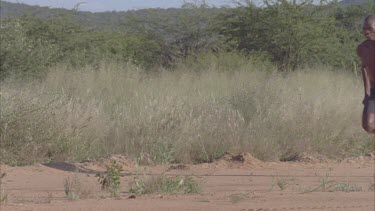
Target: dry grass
x=181, y=116
x=238, y=197
x=3, y=195
x=327, y=185
x=74, y=188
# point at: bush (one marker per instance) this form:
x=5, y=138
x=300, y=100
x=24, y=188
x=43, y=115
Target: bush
x=178, y=33
x=111, y=181
x=21, y=54
x=31, y=45
x=165, y=184
x=292, y=33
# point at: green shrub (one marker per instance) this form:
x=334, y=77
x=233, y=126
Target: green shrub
x=111, y=180
x=165, y=184
x=22, y=55
x=294, y=33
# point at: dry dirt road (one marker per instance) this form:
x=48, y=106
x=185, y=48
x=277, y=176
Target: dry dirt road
x=233, y=183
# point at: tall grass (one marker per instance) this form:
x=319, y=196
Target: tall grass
x=181, y=116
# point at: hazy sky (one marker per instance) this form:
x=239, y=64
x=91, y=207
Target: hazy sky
x=118, y=5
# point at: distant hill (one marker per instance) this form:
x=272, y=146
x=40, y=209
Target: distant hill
x=96, y=20
x=110, y=20
x=8, y=9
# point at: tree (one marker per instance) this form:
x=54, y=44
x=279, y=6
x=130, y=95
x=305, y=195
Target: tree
x=178, y=33
x=30, y=45
x=292, y=33
x=22, y=54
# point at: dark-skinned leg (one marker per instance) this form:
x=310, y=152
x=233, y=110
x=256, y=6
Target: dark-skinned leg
x=368, y=116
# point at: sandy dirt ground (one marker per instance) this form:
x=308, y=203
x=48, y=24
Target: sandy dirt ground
x=236, y=182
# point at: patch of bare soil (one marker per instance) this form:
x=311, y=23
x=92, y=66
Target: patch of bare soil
x=234, y=182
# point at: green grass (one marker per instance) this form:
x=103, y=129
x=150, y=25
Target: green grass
x=347, y=187
x=238, y=197
x=327, y=185
x=181, y=116
x=164, y=184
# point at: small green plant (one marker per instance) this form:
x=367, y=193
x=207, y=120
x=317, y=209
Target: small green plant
x=235, y=198
x=347, y=187
x=164, y=184
x=3, y=197
x=325, y=185
x=110, y=181
x=280, y=182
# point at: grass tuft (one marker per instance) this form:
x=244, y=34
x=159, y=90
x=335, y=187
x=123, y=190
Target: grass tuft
x=3, y=195
x=74, y=189
x=165, y=184
x=327, y=185
x=347, y=187
x=238, y=197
